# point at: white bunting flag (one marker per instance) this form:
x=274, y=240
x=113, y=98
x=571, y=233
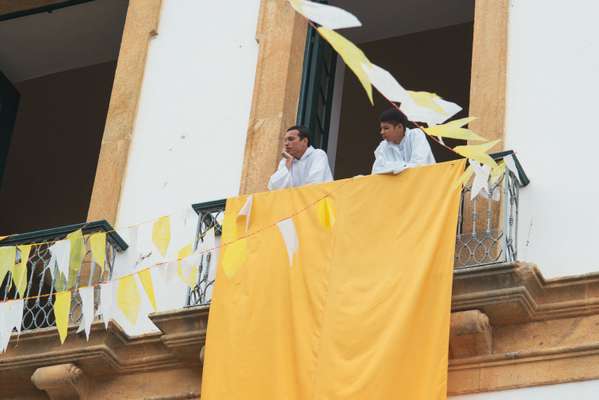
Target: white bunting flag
x=87, y=309
x=246, y=211
x=433, y=109
x=330, y=17
x=386, y=84
x=61, y=253
x=208, y=242
x=480, y=184
x=107, y=302
x=287, y=229
x=11, y=316
x=170, y=270
x=5, y=327
x=511, y=164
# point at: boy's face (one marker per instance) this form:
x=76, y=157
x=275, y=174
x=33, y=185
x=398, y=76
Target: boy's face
x=392, y=133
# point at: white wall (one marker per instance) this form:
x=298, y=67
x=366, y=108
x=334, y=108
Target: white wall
x=553, y=82
x=189, y=136
x=578, y=390
x=190, y=131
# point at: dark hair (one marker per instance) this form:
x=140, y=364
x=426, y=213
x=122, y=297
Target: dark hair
x=395, y=117
x=304, y=133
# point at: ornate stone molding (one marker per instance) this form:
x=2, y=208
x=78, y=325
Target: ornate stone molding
x=61, y=382
x=544, y=331
x=510, y=328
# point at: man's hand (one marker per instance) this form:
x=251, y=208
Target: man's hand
x=288, y=159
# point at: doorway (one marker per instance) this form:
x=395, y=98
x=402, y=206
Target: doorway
x=425, y=44
x=61, y=63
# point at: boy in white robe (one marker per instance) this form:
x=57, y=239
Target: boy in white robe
x=401, y=147
x=302, y=164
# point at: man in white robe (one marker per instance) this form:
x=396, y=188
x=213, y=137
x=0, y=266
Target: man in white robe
x=302, y=164
x=401, y=147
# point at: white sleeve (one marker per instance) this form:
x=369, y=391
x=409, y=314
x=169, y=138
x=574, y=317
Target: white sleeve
x=383, y=166
x=421, y=151
x=281, y=178
x=319, y=170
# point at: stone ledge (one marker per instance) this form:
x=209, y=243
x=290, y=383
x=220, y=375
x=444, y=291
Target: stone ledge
x=517, y=293
x=109, y=353
x=510, y=328
x=543, y=331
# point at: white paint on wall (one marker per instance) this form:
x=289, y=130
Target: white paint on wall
x=189, y=136
x=553, y=82
x=190, y=131
x=577, y=390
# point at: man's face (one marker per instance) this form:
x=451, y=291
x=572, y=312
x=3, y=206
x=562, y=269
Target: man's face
x=392, y=133
x=294, y=145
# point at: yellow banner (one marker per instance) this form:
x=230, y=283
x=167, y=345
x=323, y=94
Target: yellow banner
x=361, y=313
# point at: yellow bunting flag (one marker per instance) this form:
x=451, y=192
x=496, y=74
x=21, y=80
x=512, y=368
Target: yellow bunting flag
x=184, y=252
x=454, y=130
x=128, y=299
x=7, y=260
x=62, y=307
x=465, y=177
x=234, y=250
x=187, y=273
x=161, y=234
x=76, y=256
x=97, y=243
x=478, y=152
x=347, y=321
x=353, y=57
x=497, y=173
x=427, y=100
x=326, y=212
x=145, y=276
x=19, y=275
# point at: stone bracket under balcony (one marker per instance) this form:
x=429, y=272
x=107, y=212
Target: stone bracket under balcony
x=539, y=331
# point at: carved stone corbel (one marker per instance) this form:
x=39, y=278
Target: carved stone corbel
x=61, y=382
x=470, y=334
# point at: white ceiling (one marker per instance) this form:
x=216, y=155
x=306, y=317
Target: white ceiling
x=388, y=18
x=90, y=33
x=68, y=38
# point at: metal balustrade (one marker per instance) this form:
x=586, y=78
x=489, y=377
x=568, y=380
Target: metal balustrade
x=41, y=286
x=487, y=233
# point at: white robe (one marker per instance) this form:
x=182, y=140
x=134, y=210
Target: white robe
x=413, y=150
x=313, y=167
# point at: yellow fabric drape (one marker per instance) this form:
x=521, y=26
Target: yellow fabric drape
x=363, y=312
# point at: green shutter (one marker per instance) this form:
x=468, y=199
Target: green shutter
x=318, y=81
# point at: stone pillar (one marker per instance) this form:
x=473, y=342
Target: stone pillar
x=281, y=35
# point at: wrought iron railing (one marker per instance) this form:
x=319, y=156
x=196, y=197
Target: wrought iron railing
x=487, y=229
x=41, y=286
x=209, y=223
x=486, y=233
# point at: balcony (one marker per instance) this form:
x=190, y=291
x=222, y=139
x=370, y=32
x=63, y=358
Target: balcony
x=486, y=270
x=487, y=233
